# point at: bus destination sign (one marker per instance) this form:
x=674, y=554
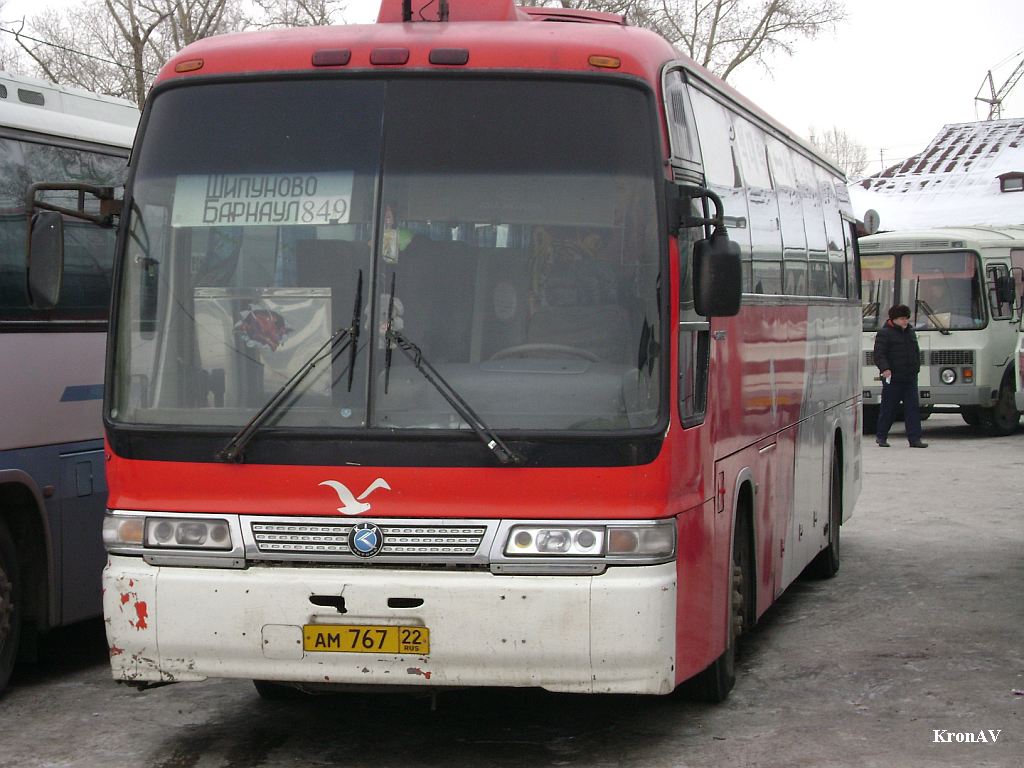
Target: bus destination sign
x=262, y=199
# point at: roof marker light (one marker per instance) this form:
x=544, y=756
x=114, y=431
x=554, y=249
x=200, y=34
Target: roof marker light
x=607, y=62
x=453, y=56
x=389, y=55
x=332, y=57
x=188, y=66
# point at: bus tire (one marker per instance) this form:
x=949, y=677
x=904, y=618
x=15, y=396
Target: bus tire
x=870, y=419
x=10, y=606
x=714, y=683
x=826, y=564
x=1002, y=418
x=970, y=414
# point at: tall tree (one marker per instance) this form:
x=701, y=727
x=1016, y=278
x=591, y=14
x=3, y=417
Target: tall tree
x=847, y=153
x=723, y=34
x=117, y=46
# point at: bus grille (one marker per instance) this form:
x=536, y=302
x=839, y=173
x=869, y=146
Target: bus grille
x=953, y=357
x=869, y=358
x=415, y=542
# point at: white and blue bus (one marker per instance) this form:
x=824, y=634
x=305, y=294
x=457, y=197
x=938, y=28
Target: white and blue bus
x=52, y=486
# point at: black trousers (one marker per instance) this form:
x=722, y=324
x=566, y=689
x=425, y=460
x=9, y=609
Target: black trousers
x=892, y=395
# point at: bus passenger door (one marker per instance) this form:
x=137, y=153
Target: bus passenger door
x=83, y=496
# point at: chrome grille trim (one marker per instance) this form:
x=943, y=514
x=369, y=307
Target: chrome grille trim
x=405, y=541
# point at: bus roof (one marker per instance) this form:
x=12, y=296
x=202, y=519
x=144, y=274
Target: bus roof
x=36, y=106
x=494, y=34
x=943, y=237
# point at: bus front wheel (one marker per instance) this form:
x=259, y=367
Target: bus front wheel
x=1002, y=418
x=826, y=564
x=715, y=682
x=10, y=606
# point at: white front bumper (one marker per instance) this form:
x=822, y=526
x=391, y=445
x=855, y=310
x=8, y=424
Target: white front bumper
x=613, y=633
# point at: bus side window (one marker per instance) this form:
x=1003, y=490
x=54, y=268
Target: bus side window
x=833, y=234
x=791, y=217
x=682, y=131
x=1017, y=269
x=852, y=259
x=814, y=227
x=722, y=170
x=694, y=360
x=763, y=207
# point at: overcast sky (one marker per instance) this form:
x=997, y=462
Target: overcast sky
x=890, y=76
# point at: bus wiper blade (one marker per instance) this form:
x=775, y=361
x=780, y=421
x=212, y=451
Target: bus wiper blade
x=357, y=310
x=933, y=317
x=387, y=335
x=504, y=454
x=234, y=450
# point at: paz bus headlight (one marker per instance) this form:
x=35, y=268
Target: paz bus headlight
x=948, y=375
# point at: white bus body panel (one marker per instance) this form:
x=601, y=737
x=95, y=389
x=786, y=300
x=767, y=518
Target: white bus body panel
x=51, y=385
x=612, y=633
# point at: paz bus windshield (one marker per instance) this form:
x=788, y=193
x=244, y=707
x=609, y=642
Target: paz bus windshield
x=942, y=290
x=508, y=228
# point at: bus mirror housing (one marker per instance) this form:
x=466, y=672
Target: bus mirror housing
x=45, y=259
x=717, y=285
x=717, y=274
x=1006, y=290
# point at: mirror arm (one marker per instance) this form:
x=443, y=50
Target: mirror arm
x=686, y=219
x=109, y=207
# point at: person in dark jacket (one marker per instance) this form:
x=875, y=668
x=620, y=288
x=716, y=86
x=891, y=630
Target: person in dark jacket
x=898, y=358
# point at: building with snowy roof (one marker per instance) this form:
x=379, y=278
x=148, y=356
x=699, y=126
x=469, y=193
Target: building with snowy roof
x=971, y=173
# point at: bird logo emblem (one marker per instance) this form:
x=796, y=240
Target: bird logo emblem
x=351, y=504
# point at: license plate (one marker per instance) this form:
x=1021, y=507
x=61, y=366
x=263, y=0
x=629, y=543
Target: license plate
x=385, y=638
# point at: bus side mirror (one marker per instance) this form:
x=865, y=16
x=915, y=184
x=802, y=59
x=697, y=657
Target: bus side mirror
x=45, y=259
x=1006, y=290
x=717, y=281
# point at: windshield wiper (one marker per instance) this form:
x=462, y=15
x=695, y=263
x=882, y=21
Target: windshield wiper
x=932, y=317
x=234, y=450
x=502, y=452
x=922, y=304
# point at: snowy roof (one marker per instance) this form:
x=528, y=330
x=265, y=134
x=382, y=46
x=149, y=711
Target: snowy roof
x=954, y=181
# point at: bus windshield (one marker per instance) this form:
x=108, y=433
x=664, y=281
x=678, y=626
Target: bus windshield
x=942, y=290
x=508, y=228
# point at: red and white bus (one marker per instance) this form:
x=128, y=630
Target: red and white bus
x=426, y=368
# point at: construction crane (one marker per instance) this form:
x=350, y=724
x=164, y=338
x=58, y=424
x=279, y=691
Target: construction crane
x=996, y=95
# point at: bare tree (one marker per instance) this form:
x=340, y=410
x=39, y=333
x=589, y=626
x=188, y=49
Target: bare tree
x=848, y=154
x=83, y=49
x=191, y=20
x=298, y=13
x=723, y=34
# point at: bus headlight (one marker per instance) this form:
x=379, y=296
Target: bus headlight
x=644, y=542
x=948, y=375
x=134, y=534
x=187, y=533
x=555, y=540
x=122, y=531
